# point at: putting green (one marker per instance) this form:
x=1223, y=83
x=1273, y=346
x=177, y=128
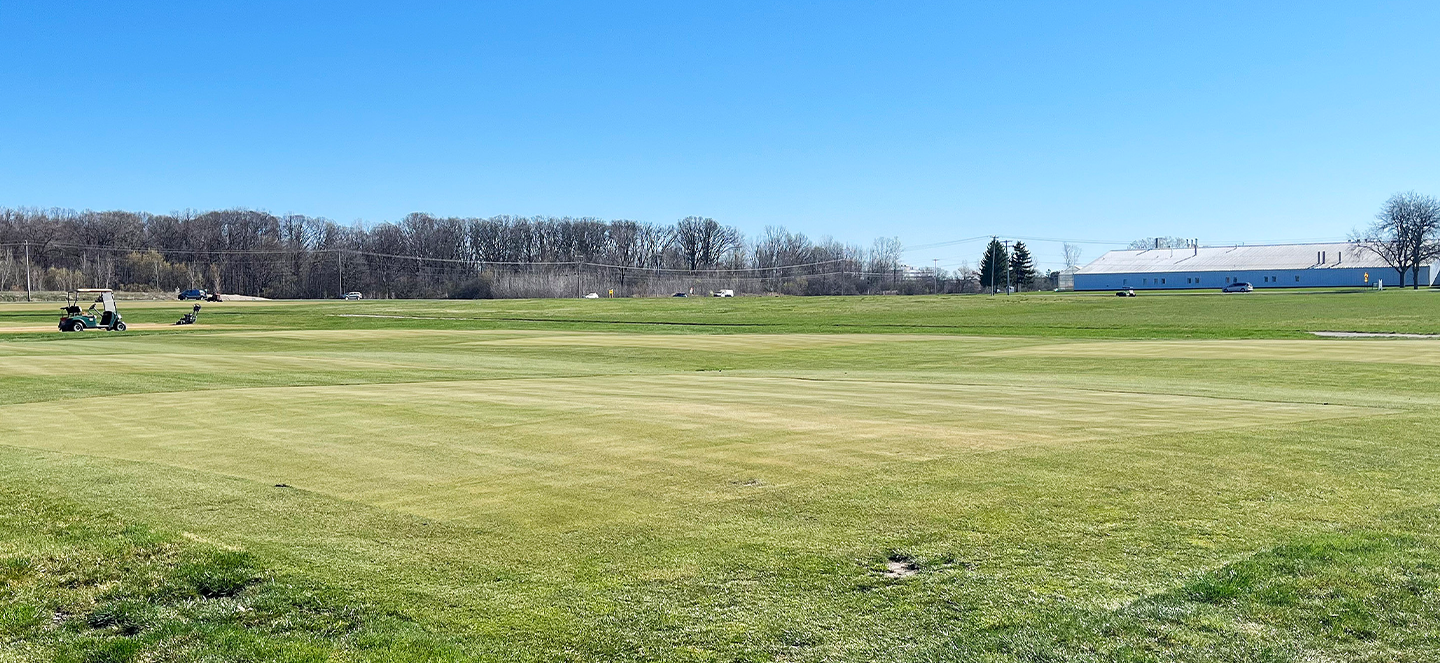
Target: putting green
x=473, y=450
x=707, y=343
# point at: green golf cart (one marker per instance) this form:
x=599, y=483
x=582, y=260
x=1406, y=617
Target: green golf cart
x=108, y=318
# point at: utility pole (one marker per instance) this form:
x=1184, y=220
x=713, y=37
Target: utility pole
x=1007, y=268
x=27, y=270
x=935, y=275
x=993, y=239
x=340, y=263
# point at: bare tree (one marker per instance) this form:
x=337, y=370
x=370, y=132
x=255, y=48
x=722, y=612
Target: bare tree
x=1160, y=243
x=1072, y=256
x=1404, y=234
x=703, y=242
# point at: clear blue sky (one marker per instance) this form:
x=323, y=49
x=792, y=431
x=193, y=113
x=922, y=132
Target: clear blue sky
x=1238, y=121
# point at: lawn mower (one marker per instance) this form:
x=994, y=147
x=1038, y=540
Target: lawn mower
x=189, y=318
x=108, y=317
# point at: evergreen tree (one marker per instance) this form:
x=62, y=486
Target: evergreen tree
x=1022, y=267
x=992, y=265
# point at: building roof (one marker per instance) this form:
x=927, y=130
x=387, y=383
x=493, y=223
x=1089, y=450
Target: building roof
x=1236, y=258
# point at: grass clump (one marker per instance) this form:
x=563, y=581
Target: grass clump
x=85, y=587
x=1358, y=596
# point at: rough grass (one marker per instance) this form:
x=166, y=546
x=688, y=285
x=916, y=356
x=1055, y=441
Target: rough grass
x=531, y=486
x=85, y=586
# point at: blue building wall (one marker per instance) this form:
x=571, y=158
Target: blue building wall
x=1323, y=277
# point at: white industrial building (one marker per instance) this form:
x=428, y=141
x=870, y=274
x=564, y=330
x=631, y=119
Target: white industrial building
x=1264, y=266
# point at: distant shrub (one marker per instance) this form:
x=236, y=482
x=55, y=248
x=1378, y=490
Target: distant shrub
x=475, y=288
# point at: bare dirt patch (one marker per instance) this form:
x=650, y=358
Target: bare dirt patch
x=900, y=567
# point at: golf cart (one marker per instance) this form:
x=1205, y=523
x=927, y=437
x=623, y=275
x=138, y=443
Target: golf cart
x=108, y=318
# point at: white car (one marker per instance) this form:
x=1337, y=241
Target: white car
x=723, y=293
x=353, y=295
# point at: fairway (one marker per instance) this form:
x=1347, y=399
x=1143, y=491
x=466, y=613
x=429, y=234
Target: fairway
x=830, y=479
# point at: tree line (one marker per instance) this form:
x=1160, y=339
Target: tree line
x=294, y=256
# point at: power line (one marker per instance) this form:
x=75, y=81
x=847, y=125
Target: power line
x=311, y=252
x=952, y=242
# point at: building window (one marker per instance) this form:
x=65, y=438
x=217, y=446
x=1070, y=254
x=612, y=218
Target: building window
x=1297, y=279
x=1162, y=280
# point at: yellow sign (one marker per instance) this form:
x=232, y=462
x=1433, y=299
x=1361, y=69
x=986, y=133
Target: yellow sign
x=612, y=292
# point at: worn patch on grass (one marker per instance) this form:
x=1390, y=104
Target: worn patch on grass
x=1380, y=351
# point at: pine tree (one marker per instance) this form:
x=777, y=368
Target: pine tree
x=992, y=265
x=1022, y=267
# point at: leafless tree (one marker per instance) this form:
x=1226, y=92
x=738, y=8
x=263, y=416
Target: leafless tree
x=1072, y=256
x=703, y=242
x=1160, y=243
x=1406, y=233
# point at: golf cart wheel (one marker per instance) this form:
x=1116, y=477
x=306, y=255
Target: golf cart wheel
x=119, y=326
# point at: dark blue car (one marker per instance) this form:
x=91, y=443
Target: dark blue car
x=197, y=295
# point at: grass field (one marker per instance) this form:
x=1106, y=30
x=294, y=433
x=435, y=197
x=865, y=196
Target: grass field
x=1185, y=476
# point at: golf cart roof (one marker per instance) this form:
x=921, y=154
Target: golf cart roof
x=93, y=290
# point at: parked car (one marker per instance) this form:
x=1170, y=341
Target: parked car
x=1125, y=292
x=193, y=293
x=1242, y=286
x=353, y=295
x=679, y=294
x=723, y=293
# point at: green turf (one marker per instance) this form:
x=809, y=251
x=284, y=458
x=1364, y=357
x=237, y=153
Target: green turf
x=1181, y=314
x=1038, y=478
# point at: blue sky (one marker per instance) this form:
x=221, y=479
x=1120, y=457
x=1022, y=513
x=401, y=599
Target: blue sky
x=1231, y=121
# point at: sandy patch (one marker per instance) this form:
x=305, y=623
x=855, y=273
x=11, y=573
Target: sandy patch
x=1344, y=334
